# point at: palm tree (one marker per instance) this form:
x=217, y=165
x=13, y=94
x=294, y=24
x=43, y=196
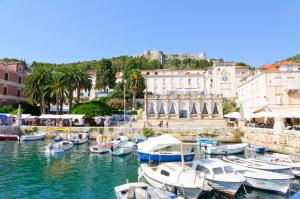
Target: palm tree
x=83, y=82
x=57, y=87
x=35, y=85
x=135, y=84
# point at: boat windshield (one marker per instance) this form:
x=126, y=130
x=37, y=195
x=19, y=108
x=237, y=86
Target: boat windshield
x=218, y=170
x=202, y=169
x=228, y=169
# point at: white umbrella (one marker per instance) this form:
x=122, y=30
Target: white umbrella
x=19, y=116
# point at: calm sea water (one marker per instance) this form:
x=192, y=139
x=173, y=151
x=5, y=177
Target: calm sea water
x=26, y=172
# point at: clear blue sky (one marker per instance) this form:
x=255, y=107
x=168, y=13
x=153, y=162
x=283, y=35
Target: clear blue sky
x=254, y=31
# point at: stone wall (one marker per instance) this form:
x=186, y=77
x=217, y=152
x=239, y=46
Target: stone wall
x=284, y=141
x=225, y=134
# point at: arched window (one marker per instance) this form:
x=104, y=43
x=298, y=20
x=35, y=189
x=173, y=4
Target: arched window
x=215, y=111
x=194, y=110
x=172, y=109
x=161, y=109
x=151, y=108
x=204, y=109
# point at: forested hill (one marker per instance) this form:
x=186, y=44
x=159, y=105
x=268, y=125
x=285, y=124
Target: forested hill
x=140, y=62
x=295, y=58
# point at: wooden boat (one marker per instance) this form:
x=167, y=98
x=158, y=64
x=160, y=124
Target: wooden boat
x=220, y=175
x=59, y=147
x=37, y=136
x=226, y=149
x=122, y=148
x=262, y=179
x=255, y=164
x=4, y=137
x=174, y=178
x=101, y=148
x=152, y=150
x=80, y=138
x=141, y=190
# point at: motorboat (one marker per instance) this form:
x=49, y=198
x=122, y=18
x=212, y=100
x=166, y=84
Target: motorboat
x=175, y=178
x=141, y=190
x=225, y=149
x=152, y=150
x=262, y=179
x=4, y=137
x=283, y=160
x=37, y=136
x=122, y=148
x=206, y=141
x=59, y=147
x=220, y=175
x=103, y=147
x=80, y=138
x=256, y=164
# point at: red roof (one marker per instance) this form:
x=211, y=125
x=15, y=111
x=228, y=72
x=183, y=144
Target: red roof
x=275, y=66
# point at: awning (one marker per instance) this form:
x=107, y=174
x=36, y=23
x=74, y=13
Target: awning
x=65, y=116
x=157, y=143
x=236, y=115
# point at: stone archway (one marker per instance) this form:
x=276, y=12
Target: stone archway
x=183, y=110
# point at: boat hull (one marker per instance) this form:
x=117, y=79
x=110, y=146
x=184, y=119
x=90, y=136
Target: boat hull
x=220, y=151
x=9, y=137
x=56, y=149
x=121, y=151
x=277, y=185
x=33, y=137
x=80, y=141
x=190, y=193
x=228, y=188
x=165, y=157
x=99, y=149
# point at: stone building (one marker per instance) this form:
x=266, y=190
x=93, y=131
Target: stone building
x=184, y=105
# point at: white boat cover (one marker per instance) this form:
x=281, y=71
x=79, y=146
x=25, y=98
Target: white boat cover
x=157, y=143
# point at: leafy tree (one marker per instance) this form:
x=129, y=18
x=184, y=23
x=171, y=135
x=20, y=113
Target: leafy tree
x=6, y=109
x=105, y=75
x=241, y=64
x=92, y=109
x=27, y=108
x=118, y=91
x=147, y=132
x=135, y=84
x=58, y=87
x=115, y=103
x=229, y=105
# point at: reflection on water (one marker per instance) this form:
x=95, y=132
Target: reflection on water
x=27, y=172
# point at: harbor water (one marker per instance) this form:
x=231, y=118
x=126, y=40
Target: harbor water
x=27, y=173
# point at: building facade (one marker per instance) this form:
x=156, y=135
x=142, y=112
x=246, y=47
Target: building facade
x=273, y=87
x=222, y=79
x=184, y=105
x=12, y=79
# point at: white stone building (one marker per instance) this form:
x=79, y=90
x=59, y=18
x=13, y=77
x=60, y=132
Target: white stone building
x=271, y=88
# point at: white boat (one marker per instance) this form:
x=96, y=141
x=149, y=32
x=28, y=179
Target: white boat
x=103, y=147
x=59, y=147
x=152, y=149
x=226, y=149
x=174, y=178
x=37, y=136
x=141, y=190
x=220, y=175
x=122, y=148
x=255, y=164
x=80, y=138
x=261, y=179
x=283, y=160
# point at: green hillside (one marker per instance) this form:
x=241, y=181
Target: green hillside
x=295, y=58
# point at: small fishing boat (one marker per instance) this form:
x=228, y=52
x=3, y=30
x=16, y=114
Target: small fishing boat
x=79, y=138
x=122, y=148
x=59, y=147
x=141, y=190
x=262, y=179
x=206, y=141
x=226, y=149
x=37, y=136
x=4, y=137
x=283, y=160
x=152, y=150
x=256, y=164
x=175, y=178
x=103, y=147
x=220, y=175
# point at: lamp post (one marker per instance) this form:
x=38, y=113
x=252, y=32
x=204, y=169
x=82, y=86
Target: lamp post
x=124, y=100
x=146, y=101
